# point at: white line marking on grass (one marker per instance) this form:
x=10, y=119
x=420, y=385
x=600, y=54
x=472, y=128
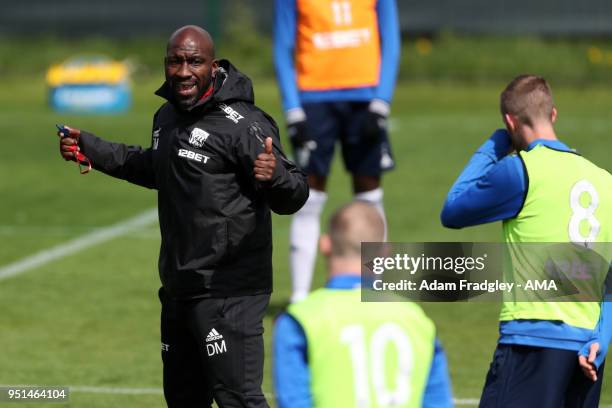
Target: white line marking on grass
x=63, y=231
x=476, y=401
x=466, y=401
x=78, y=244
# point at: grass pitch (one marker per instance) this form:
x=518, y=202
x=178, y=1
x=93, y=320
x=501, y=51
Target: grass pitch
x=91, y=318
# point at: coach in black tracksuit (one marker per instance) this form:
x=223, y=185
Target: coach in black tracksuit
x=216, y=162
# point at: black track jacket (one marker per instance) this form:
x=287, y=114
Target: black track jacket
x=214, y=215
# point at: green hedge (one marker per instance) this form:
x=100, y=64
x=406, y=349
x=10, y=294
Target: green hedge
x=476, y=59
x=446, y=57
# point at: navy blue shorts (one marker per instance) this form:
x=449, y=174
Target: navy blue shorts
x=536, y=377
x=329, y=122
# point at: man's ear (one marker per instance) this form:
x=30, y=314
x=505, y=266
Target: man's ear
x=215, y=67
x=510, y=122
x=325, y=245
x=553, y=116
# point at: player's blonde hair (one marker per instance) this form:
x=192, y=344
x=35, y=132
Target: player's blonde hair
x=529, y=98
x=353, y=224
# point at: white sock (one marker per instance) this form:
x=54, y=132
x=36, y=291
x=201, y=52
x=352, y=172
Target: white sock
x=375, y=198
x=304, y=238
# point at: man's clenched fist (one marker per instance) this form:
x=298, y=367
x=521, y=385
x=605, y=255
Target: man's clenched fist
x=265, y=163
x=69, y=145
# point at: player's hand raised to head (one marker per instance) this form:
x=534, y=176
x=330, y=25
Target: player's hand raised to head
x=265, y=163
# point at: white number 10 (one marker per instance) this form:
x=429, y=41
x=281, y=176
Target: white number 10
x=580, y=213
x=354, y=337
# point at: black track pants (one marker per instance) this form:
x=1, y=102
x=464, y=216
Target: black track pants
x=213, y=349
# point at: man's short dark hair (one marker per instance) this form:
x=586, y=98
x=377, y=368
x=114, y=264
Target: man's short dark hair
x=529, y=98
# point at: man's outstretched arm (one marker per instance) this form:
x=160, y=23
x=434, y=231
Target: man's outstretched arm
x=130, y=163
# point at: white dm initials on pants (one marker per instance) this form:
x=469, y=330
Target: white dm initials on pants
x=215, y=343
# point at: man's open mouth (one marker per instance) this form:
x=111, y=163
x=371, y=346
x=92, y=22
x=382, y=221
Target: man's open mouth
x=186, y=89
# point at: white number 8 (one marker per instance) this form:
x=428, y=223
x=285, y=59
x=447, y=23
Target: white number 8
x=580, y=213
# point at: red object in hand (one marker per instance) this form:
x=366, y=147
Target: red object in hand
x=82, y=161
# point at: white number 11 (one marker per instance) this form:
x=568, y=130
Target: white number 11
x=342, y=12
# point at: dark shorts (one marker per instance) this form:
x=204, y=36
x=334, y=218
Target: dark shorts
x=329, y=122
x=213, y=349
x=536, y=377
